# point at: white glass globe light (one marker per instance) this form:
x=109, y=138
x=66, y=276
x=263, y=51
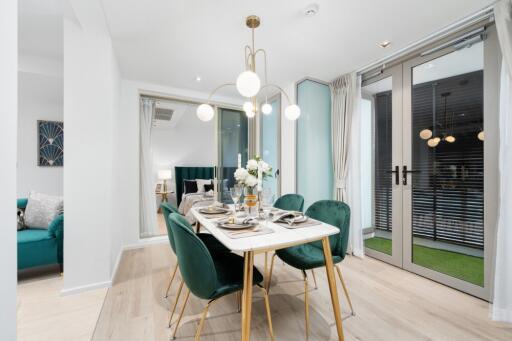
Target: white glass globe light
x=426, y=134
x=248, y=106
x=450, y=138
x=266, y=108
x=248, y=84
x=250, y=113
x=205, y=112
x=433, y=142
x=481, y=135
x=292, y=112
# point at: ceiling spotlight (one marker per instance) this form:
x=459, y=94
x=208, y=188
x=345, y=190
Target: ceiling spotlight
x=198, y=79
x=425, y=134
x=481, y=135
x=311, y=10
x=450, y=138
x=384, y=44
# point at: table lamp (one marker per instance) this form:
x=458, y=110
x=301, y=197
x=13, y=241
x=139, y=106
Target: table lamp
x=164, y=174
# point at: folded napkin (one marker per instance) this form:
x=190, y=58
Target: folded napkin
x=287, y=216
x=238, y=220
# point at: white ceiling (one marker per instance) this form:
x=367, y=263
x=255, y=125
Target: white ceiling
x=171, y=42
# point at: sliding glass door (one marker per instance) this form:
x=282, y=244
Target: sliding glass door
x=381, y=109
x=434, y=164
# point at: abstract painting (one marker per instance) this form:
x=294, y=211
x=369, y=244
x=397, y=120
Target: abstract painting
x=51, y=143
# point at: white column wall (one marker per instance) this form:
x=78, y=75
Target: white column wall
x=8, y=115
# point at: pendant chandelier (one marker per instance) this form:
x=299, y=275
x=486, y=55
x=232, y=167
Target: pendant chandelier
x=249, y=85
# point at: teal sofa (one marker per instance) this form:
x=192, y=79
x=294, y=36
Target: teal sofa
x=37, y=247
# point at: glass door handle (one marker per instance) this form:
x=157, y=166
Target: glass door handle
x=404, y=174
x=397, y=175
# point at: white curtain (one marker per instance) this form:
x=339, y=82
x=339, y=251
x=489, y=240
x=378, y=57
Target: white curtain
x=345, y=125
x=502, y=303
x=147, y=191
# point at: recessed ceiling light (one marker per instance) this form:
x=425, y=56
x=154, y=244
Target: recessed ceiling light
x=198, y=78
x=384, y=44
x=311, y=10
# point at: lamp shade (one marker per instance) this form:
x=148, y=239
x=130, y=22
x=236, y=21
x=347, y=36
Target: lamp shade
x=248, y=84
x=266, y=108
x=292, y=112
x=205, y=112
x=164, y=174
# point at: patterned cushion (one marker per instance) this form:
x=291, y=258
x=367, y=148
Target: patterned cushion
x=42, y=209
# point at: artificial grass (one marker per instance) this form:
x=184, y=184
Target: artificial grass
x=458, y=265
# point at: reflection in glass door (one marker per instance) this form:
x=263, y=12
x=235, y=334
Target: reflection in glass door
x=381, y=110
x=444, y=147
x=233, y=139
x=270, y=144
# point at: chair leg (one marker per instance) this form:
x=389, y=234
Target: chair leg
x=314, y=278
x=306, y=302
x=345, y=290
x=181, y=314
x=270, y=272
x=176, y=302
x=269, y=317
x=239, y=301
x=200, y=327
x=170, y=280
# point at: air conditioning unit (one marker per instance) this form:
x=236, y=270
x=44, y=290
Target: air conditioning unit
x=163, y=114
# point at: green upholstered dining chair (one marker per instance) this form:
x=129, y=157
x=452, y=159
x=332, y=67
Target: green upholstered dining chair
x=311, y=255
x=210, y=241
x=207, y=277
x=290, y=202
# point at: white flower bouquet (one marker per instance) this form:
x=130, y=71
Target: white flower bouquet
x=254, y=172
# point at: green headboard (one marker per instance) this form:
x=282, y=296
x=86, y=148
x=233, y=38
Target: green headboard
x=190, y=173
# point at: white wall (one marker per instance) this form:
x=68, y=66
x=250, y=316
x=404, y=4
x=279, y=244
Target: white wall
x=189, y=143
x=91, y=79
x=40, y=97
x=8, y=113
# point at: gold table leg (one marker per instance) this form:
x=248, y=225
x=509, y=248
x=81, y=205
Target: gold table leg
x=247, y=295
x=329, y=267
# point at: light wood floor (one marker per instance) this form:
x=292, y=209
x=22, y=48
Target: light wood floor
x=44, y=315
x=390, y=304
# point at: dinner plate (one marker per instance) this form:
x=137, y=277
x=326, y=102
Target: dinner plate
x=233, y=226
x=213, y=210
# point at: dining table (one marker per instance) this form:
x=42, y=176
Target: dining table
x=276, y=237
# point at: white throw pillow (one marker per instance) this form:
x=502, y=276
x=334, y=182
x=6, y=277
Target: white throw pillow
x=201, y=183
x=42, y=209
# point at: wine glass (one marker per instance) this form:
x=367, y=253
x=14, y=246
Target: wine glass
x=236, y=193
x=267, y=200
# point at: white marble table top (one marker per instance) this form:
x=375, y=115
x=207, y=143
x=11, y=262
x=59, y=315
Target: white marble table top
x=281, y=238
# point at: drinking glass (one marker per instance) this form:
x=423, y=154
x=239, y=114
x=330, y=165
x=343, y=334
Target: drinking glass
x=236, y=193
x=267, y=200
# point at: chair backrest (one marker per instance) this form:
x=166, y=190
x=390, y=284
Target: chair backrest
x=167, y=209
x=334, y=213
x=194, y=260
x=290, y=202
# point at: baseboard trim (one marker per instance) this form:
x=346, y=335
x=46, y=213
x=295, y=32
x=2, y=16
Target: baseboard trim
x=84, y=288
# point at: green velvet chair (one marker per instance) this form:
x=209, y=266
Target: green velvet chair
x=290, y=202
x=211, y=243
x=37, y=247
x=311, y=255
x=207, y=277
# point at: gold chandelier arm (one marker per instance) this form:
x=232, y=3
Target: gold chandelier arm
x=278, y=88
x=217, y=89
x=247, y=55
x=265, y=68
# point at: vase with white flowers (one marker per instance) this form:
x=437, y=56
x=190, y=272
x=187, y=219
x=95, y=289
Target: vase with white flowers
x=251, y=177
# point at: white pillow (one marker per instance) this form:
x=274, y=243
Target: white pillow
x=201, y=183
x=42, y=209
